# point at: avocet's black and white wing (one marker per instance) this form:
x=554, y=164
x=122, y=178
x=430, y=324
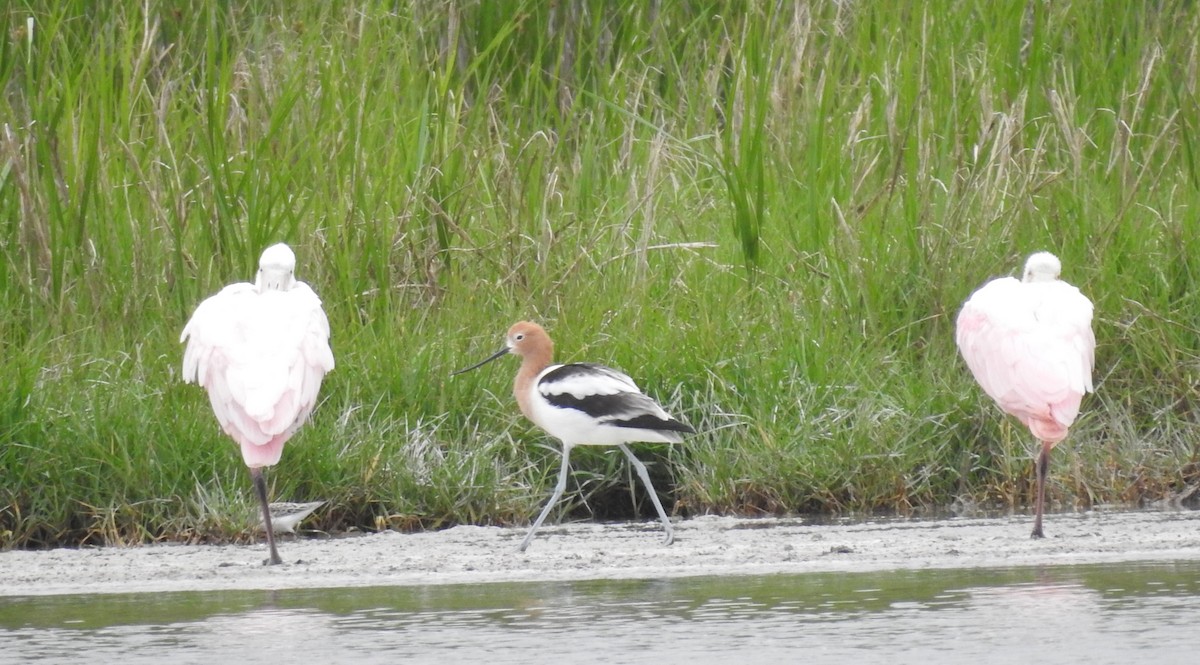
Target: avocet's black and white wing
x=598, y=405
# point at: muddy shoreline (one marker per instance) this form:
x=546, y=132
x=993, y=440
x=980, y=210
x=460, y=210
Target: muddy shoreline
x=580, y=551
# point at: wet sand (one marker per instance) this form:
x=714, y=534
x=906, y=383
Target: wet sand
x=579, y=551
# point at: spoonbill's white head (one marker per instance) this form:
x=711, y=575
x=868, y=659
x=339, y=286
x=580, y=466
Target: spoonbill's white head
x=1042, y=267
x=275, y=269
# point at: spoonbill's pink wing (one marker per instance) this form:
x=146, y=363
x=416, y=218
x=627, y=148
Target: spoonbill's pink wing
x=261, y=357
x=1031, y=348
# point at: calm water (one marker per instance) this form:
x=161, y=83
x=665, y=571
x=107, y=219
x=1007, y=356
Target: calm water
x=1071, y=614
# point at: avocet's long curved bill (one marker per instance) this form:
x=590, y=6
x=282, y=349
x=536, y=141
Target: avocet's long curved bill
x=485, y=361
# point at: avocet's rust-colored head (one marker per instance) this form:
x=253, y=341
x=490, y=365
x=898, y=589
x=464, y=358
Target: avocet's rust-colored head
x=526, y=339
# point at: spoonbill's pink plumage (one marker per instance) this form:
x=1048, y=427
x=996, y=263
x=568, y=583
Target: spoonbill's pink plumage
x=584, y=404
x=1030, y=345
x=261, y=351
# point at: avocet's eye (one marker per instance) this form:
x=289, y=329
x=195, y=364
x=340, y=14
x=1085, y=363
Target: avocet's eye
x=518, y=337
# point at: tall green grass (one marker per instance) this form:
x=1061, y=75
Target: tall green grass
x=768, y=214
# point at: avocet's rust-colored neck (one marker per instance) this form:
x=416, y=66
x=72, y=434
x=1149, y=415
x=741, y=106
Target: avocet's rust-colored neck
x=530, y=341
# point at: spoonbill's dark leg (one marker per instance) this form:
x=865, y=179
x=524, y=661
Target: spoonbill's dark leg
x=260, y=485
x=1041, y=469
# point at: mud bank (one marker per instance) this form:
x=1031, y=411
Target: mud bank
x=703, y=546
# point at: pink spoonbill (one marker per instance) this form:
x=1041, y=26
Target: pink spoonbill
x=1030, y=345
x=584, y=404
x=260, y=350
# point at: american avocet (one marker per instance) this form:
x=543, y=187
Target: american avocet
x=261, y=351
x=584, y=404
x=1031, y=348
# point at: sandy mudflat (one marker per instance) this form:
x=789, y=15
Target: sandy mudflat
x=703, y=546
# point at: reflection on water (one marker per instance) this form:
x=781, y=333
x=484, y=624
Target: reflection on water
x=1096, y=614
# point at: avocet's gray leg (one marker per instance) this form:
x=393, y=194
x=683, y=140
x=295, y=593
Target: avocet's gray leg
x=558, y=490
x=641, y=471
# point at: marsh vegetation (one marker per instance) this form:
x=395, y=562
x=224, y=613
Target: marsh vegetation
x=768, y=214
